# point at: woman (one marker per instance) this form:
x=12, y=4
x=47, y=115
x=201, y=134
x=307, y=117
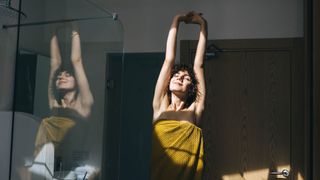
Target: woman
x=178, y=104
x=70, y=101
x=73, y=90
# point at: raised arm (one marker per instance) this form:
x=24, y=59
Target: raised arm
x=164, y=76
x=85, y=96
x=55, y=63
x=198, y=66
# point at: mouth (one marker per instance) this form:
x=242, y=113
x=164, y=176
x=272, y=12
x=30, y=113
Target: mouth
x=178, y=83
x=62, y=81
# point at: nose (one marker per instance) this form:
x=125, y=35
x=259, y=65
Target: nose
x=61, y=76
x=180, y=78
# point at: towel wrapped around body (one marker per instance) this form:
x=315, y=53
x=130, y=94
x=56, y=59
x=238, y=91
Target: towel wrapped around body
x=177, y=151
x=52, y=129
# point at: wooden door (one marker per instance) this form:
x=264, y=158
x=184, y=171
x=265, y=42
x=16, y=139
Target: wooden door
x=254, y=118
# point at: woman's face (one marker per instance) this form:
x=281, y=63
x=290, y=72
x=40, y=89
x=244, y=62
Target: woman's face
x=180, y=82
x=65, y=81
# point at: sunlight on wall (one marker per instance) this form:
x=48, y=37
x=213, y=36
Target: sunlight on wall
x=260, y=174
x=300, y=176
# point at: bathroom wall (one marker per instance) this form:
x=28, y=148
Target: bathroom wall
x=7, y=57
x=146, y=22
x=8, y=46
x=7, y=62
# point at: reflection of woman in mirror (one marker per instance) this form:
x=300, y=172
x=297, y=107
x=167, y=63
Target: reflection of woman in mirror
x=70, y=101
x=178, y=104
x=66, y=89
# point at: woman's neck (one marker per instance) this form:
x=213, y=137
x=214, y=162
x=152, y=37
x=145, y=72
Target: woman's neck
x=68, y=99
x=177, y=103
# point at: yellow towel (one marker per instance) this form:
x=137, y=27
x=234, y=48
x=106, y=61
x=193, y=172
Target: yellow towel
x=52, y=129
x=177, y=151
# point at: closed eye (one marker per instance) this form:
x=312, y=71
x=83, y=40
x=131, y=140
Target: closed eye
x=187, y=78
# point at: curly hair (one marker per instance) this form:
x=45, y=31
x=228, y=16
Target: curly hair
x=192, y=89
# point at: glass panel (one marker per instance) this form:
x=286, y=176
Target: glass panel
x=7, y=58
x=4, y=2
x=60, y=119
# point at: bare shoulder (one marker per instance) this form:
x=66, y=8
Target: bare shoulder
x=187, y=114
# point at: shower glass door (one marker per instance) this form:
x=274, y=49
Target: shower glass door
x=60, y=126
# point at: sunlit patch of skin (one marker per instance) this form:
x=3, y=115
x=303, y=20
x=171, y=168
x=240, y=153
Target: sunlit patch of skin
x=180, y=81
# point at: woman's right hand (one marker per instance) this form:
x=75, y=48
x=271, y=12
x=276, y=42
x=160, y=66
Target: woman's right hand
x=180, y=18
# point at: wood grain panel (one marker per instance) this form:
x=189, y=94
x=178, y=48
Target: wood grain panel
x=248, y=124
x=248, y=113
x=223, y=77
x=270, y=93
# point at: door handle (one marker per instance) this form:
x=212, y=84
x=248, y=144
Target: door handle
x=284, y=173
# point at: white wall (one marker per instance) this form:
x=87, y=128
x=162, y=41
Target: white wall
x=146, y=22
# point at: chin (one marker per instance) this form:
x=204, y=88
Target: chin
x=175, y=88
x=178, y=91
x=65, y=89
